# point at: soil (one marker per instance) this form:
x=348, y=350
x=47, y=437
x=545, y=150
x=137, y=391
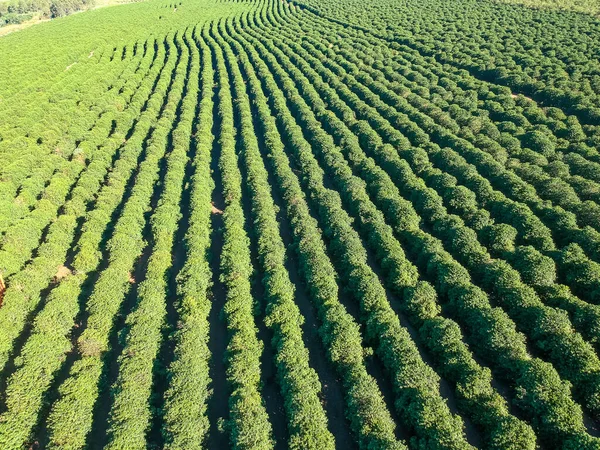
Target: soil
x=61, y=273
x=218, y=404
x=214, y=209
x=2, y=290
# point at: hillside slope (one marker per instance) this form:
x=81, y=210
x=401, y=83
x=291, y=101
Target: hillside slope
x=308, y=225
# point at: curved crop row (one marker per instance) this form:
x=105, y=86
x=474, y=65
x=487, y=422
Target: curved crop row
x=568, y=427
x=562, y=223
x=43, y=353
x=419, y=403
x=459, y=199
x=497, y=277
x=341, y=336
x=299, y=382
x=20, y=239
x=481, y=402
x=53, y=134
x=71, y=417
x=23, y=293
x=185, y=420
x=130, y=412
x=248, y=423
x=533, y=51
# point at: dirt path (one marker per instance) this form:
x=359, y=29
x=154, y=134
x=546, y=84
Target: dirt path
x=218, y=403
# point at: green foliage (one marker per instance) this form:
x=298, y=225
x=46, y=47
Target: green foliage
x=299, y=382
x=366, y=411
x=394, y=346
x=130, y=412
x=405, y=183
x=248, y=422
x=71, y=417
x=42, y=355
x=434, y=168
x=20, y=9
x=185, y=412
x=536, y=269
x=14, y=18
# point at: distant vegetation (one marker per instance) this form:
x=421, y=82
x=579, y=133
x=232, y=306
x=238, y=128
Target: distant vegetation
x=585, y=6
x=19, y=11
x=11, y=18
